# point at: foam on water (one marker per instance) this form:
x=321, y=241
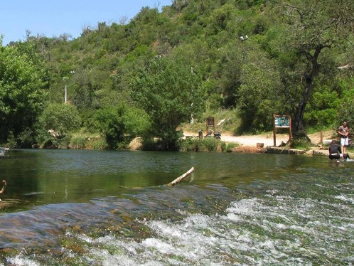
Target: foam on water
x=20, y=260
x=251, y=232
x=301, y=220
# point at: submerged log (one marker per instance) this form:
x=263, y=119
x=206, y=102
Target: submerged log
x=180, y=178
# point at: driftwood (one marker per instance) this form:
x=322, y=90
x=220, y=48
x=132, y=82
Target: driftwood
x=3, y=187
x=180, y=178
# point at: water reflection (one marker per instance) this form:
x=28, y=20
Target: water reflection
x=112, y=208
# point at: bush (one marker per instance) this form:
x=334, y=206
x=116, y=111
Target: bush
x=227, y=147
x=120, y=124
x=55, y=143
x=203, y=145
x=98, y=144
x=62, y=118
x=78, y=142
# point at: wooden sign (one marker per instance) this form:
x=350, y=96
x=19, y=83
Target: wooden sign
x=281, y=121
x=210, y=124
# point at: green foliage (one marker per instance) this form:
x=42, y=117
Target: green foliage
x=228, y=147
x=301, y=142
x=287, y=65
x=323, y=108
x=78, y=142
x=25, y=139
x=110, y=123
x=346, y=108
x=258, y=94
x=120, y=124
x=169, y=92
x=201, y=145
x=55, y=125
x=206, y=145
x=308, y=29
x=22, y=92
x=62, y=118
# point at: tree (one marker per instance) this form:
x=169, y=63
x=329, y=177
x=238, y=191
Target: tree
x=170, y=93
x=258, y=95
x=62, y=118
x=22, y=91
x=309, y=28
x=55, y=125
x=120, y=124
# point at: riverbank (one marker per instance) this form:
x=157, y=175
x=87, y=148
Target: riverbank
x=260, y=143
x=264, y=143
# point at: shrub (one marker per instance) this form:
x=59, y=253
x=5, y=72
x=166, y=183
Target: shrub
x=203, y=145
x=78, y=142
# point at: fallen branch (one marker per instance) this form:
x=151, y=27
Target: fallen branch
x=180, y=178
x=3, y=187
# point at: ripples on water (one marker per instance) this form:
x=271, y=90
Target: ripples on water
x=288, y=210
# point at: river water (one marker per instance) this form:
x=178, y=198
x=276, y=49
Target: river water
x=80, y=207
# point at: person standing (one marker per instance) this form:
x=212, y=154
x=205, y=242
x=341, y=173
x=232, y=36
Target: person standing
x=343, y=131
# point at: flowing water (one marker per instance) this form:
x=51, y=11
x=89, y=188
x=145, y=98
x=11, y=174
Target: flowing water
x=73, y=207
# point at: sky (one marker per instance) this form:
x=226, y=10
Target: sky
x=52, y=18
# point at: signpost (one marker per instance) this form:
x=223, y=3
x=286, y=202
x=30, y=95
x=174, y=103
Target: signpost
x=210, y=124
x=281, y=121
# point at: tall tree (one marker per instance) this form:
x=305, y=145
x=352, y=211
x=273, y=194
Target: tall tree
x=170, y=93
x=311, y=27
x=22, y=91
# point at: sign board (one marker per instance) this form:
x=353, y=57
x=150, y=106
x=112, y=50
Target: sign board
x=282, y=121
x=210, y=124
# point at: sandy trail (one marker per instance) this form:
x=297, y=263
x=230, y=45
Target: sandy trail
x=249, y=140
x=267, y=139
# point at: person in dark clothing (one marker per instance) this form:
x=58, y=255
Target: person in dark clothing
x=334, y=150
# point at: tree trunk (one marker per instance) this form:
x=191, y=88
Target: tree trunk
x=299, y=130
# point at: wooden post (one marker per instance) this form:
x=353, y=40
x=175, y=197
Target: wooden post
x=274, y=133
x=290, y=129
x=65, y=95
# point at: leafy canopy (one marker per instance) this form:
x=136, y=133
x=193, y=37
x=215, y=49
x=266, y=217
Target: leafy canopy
x=22, y=91
x=170, y=92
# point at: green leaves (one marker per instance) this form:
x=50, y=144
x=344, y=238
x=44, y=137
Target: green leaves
x=120, y=124
x=62, y=118
x=22, y=90
x=170, y=93
x=279, y=68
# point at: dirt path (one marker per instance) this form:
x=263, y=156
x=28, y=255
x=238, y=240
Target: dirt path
x=252, y=140
x=266, y=139
x=249, y=142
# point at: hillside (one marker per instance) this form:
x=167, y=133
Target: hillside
x=192, y=60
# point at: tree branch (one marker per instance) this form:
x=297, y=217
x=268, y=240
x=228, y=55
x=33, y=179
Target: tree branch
x=180, y=178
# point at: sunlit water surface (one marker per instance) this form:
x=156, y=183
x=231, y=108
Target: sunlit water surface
x=69, y=207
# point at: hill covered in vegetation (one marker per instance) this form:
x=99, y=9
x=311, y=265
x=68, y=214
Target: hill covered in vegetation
x=196, y=58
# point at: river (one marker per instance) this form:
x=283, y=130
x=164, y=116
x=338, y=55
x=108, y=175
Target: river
x=82, y=207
